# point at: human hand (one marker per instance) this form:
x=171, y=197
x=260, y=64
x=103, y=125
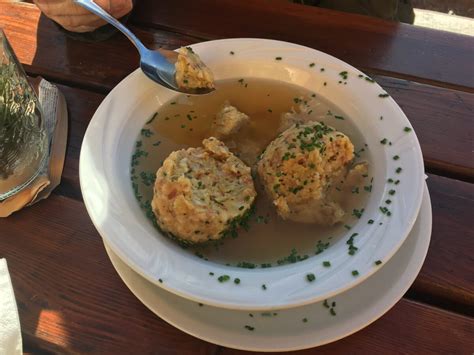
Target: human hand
x=77, y=19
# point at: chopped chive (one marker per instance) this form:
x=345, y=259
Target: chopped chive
x=248, y=327
x=305, y=320
x=326, y=304
x=378, y=262
x=310, y=277
x=399, y=170
x=223, y=278
x=237, y=281
x=370, y=221
x=407, y=129
x=343, y=74
x=211, y=273
x=231, y=52
x=391, y=192
x=278, y=58
x=396, y=157
x=355, y=273
x=264, y=287
x=357, y=213
x=311, y=65
x=332, y=311
x=384, y=95
x=326, y=264
x=152, y=118
x=160, y=281
x=384, y=141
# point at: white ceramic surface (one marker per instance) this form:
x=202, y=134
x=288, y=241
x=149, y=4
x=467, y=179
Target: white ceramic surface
x=286, y=331
x=105, y=180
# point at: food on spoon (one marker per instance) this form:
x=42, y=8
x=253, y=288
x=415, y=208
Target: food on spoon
x=300, y=168
x=191, y=72
x=200, y=194
x=229, y=120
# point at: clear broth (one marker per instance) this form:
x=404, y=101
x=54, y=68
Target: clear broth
x=186, y=121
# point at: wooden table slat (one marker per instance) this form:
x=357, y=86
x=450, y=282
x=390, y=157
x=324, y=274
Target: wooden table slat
x=365, y=42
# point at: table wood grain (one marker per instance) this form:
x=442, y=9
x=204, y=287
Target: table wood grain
x=69, y=296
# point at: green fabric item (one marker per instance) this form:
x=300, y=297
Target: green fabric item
x=394, y=10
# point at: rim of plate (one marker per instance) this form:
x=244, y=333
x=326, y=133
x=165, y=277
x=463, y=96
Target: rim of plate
x=189, y=319
x=105, y=180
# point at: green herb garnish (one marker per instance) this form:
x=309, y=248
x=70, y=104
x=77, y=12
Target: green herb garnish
x=357, y=213
x=223, y=278
x=152, y=118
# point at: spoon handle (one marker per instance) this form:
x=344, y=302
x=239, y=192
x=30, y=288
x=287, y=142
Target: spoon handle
x=96, y=9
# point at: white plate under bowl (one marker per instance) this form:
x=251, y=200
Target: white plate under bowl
x=105, y=180
x=286, y=331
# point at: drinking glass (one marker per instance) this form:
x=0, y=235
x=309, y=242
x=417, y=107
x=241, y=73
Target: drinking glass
x=23, y=139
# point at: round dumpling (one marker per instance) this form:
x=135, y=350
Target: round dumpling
x=298, y=168
x=201, y=194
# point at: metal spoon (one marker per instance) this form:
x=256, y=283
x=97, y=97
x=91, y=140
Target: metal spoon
x=158, y=65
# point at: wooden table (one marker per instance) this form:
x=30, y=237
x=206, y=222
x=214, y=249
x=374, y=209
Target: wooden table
x=69, y=296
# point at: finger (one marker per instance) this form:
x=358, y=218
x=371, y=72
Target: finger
x=116, y=8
